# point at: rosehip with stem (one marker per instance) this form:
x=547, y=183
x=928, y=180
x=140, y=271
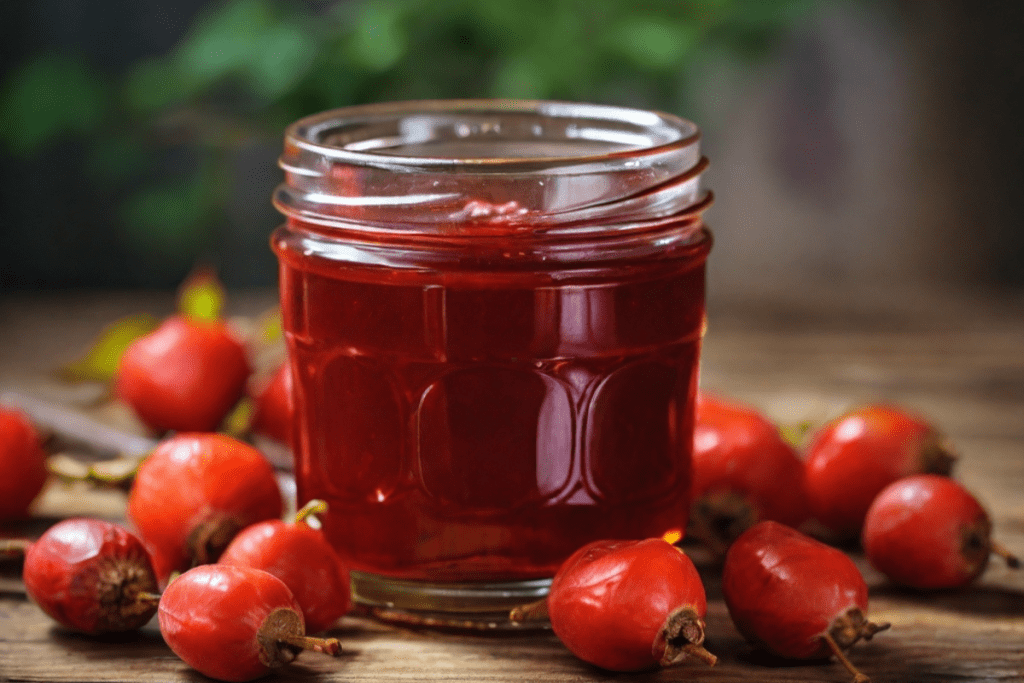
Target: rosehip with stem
x=235, y=623
x=743, y=472
x=300, y=556
x=794, y=596
x=929, y=532
x=855, y=456
x=92, y=576
x=22, y=464
x=184, y=376
x=194, y=493
x=629, y=605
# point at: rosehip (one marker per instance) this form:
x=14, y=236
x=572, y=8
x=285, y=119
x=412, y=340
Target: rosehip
x=743, y=472
x=91, y=576
x=273, y=412
x=855, y=456
x=184, y=376
x=22, y=464
x=929, y=532
x=300, y=556
x=234, y=623
x=794, y=596
x=194, y=493
x=629, y=605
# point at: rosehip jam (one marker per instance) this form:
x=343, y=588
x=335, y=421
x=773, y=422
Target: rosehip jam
x=493, y=312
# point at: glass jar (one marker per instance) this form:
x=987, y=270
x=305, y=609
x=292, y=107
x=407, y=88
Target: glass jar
x=493, y=311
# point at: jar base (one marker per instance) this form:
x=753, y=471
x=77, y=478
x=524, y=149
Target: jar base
x=459, y=606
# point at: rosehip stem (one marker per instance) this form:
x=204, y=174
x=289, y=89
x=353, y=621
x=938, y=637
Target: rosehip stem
x=327, y=646
x=858, y=677
x=532, y=611
x=1012, y=561
x=310, y=510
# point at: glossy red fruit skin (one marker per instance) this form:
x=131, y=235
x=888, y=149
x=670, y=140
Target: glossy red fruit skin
x=737, y=451
x=85, y=574
x=193, y=486
x=184, y=376
x=301, y=557
x=610, y=599
x=273, y=415
x=784, y=589
x=210, y=617
x=927, y=532
x=855, y=456
x=22, y=464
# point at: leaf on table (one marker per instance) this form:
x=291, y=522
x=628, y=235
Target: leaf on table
x=99, y=363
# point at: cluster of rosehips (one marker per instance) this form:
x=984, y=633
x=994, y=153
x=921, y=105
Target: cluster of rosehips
x=877, y=473
x=196, y=500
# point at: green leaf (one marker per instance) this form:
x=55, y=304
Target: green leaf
x=224, y=41
x=653, y=42
x=116, y=158
x=201, y=296
x=48, y=97
x=520, y=76
x=169, y=218
x=378, y=41
x=100, y=362
x=155, y=84
x=285, y=56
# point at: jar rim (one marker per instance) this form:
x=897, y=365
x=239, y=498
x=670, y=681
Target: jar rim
x=433, y=165
x=601, y=133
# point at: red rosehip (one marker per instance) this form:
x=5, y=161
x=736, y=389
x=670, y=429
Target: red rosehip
x=743, y=472
x=928, y=532
x=855, y=456
x=794, y=596
x=300, y=556
x=629, y=605
x=194, y=493
x=234, y=623
x=184, y=376
x=272, y=416
x=22, y=464
x=91, y=576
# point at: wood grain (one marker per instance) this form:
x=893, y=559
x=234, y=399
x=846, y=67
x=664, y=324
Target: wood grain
x=961, y=362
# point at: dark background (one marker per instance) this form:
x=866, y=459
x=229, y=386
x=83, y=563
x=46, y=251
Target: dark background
x=871, y=143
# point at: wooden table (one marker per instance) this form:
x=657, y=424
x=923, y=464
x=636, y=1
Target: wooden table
x=958, y=359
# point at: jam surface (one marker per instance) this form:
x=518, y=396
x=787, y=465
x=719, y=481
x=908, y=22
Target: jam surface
x=470, y=424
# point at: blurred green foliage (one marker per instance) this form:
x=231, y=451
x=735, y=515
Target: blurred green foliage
x=160, y=137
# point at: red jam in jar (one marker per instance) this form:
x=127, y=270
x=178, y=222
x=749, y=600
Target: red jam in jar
x=493, y=312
